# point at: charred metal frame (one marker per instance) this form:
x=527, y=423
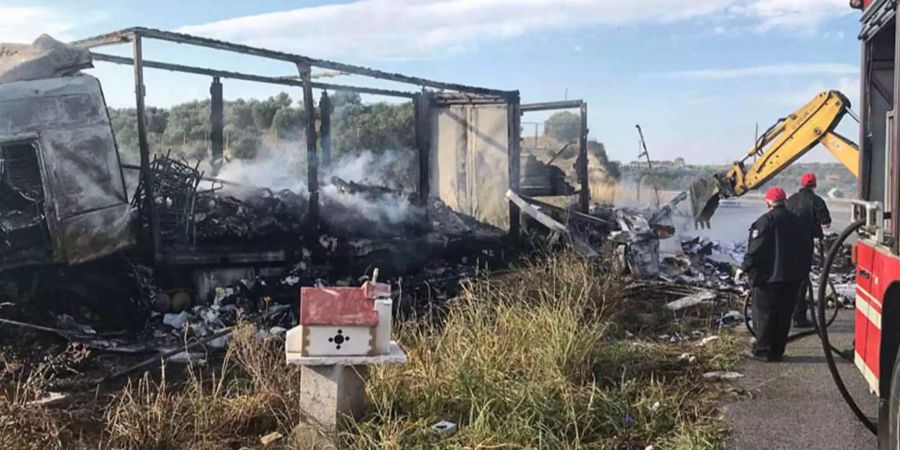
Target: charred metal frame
x=581, y=164
x=217, y=124
x=304, y=65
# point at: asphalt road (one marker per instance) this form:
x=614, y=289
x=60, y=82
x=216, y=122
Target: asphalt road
x=795, y=405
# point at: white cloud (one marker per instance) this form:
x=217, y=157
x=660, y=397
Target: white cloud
x=797, y=96
x=378, y=29
x=761, y=71
x=23, y=24
x=791, y=14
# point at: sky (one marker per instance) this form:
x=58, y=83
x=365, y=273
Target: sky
x=697, y=75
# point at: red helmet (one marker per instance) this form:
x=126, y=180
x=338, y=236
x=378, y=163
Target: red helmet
x=775, y=194
x=808, y=179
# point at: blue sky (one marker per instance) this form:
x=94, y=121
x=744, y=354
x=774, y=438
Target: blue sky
x=697, y=75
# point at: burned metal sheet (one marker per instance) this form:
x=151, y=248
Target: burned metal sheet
x=45, y=58
x=102, y=232
x=470, y=160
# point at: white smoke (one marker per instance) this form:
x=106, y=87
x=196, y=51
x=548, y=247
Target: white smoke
x=287, y=170
x=274, y=169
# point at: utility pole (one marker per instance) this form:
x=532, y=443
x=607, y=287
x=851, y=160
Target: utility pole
x=646, y=154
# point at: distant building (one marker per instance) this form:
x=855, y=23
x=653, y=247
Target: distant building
x=678, y=163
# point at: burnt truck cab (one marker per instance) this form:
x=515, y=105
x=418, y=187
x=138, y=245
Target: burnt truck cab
x=63, y=198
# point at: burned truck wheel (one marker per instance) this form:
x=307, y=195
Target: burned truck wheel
x=103, y=299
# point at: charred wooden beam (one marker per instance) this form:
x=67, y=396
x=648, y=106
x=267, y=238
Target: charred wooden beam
x=249, y=77
x=182, y=38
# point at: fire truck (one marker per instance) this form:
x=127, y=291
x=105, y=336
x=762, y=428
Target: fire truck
x=877, y=249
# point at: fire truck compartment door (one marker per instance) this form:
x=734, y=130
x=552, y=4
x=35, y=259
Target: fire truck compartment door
x=864, y=273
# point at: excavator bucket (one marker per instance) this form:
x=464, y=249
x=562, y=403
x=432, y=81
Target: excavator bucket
x=705, y=195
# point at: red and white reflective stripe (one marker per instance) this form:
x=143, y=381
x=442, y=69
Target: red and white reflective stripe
x=867, y=373
x=871, y=312
x=871, y=298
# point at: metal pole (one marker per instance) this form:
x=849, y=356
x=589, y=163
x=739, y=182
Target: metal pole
x=422, y=108
x=312, y=157
x=325, y=128
x=515, y=152
x=144, y=147
x=217, y=124
x=646, y=154
x=584, y=197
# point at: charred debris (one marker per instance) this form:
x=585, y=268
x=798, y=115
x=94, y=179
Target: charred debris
x=187, y=254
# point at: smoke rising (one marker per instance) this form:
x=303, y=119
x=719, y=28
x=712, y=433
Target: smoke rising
x=341, y=208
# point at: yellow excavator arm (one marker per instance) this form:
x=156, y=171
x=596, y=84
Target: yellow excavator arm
x=782, y=144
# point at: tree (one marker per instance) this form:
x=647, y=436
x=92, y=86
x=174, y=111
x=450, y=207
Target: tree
x=245, y=143
x=613, y=168
x=263, y=113
x=239, y=113
x=185, y=128
x=342, y=98
x=283, y=100
x=563, y=126
x=288, y=122
x=377, y=127
x=157, y=120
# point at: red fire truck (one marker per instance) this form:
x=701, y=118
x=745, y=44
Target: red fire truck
x=877, y=251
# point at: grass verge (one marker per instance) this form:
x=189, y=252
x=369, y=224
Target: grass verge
x=536, y=359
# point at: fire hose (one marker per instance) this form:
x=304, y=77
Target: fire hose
x=827, y=347
x=821, y=318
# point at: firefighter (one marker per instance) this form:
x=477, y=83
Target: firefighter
x=779, y=253
x=812, y=209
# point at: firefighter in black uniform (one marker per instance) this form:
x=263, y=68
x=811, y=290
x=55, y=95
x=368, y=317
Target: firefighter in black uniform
x=812, y=209
x=778, y=257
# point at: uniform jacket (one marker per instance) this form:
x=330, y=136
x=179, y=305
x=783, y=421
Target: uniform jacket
x=779, y=249
x=811, y=208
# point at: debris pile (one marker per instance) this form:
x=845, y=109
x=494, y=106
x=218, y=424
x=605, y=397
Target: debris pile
x=265, y=214
x=705, y=262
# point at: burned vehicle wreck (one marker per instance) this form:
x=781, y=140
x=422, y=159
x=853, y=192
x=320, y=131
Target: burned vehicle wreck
x=63, y=190
x=77, y=241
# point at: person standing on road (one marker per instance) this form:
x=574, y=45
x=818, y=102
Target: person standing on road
x=779, y=254
x=813, y=210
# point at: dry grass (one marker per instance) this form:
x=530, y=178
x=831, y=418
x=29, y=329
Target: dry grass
x=25, y=422
x=532, y=359
x=251, y=394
